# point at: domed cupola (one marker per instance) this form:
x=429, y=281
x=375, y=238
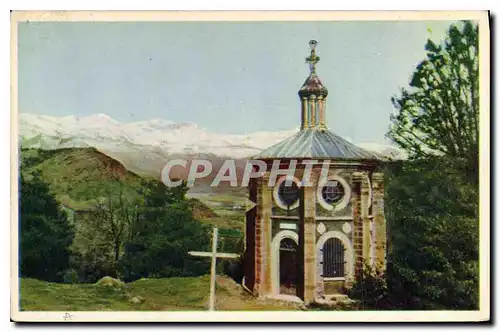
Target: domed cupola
x=314, y=140
x=313, y=95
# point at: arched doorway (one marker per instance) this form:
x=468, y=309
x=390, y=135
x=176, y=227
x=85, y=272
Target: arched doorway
x=288, y=266
x=284, y=262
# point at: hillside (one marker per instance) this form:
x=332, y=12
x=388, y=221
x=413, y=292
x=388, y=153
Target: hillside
x=144, y=294
x=77, y=176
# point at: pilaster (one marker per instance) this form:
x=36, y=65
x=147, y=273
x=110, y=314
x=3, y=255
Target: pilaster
x=307, y=241
x=263, y=236
x=357, y=211
x=365, y=196
x=250, y=216
x=379, y=220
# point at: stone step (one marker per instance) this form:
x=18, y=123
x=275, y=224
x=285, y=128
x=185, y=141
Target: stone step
x=336, y=297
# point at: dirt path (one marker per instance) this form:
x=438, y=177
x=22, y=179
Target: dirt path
x=232, y=296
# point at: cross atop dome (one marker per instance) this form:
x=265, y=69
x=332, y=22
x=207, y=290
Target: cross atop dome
x=312, y=85
x=312, y=59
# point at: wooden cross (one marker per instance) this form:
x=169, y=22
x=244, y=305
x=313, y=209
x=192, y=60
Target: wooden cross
x=214, y=254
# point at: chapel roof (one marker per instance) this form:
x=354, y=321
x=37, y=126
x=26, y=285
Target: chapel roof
x=316, y=143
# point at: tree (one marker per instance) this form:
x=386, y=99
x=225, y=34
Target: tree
x=116, y=215
x=165, y=232
x=45, y=233
x=431, y=200
x=434, y=236
x=439, y=113
x=103, y=231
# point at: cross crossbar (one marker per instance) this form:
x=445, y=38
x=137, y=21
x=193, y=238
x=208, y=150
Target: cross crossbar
x=209, y=254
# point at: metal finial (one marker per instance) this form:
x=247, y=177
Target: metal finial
x=312, y=59
x=312, y=44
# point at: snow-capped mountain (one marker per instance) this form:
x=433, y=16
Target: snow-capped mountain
x=145, y=145
x=105, y=133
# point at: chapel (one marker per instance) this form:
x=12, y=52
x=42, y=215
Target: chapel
x=308, y=242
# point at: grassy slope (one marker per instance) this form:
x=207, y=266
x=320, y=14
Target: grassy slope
x=77, y=176
x=158, y=294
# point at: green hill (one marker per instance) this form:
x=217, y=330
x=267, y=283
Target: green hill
x=77, y=176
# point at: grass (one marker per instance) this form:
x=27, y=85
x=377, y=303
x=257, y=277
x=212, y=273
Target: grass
x=158, y=294
x=167, y=294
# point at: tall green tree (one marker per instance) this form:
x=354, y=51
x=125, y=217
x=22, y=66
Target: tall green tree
x=434, y=236
x=45, y=233
x=439, y=112
x=432, y=199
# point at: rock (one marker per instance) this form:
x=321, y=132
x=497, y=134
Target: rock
x=110, y=282
x=137, y=299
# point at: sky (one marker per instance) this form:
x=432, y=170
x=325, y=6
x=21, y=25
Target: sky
x=228, y=77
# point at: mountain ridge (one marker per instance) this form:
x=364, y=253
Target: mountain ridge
x=145, y=146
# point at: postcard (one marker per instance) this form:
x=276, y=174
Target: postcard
x=250, y=166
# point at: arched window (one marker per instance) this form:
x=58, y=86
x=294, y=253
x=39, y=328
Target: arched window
x=333, y=258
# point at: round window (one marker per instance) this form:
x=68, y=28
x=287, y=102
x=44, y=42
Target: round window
x=332, y=192
x=286, y=194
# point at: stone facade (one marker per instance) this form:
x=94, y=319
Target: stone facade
x=362, y=243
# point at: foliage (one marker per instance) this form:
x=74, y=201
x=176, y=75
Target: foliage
x=115, y=212
x=102, y=231
x=432, y=200
x=45, y=232
x=439, y=113
x=163, y=235
x=432, y=215
x=370, y=289
x=432, y=259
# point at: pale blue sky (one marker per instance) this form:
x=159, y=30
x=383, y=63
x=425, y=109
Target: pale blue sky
x=228, y=77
